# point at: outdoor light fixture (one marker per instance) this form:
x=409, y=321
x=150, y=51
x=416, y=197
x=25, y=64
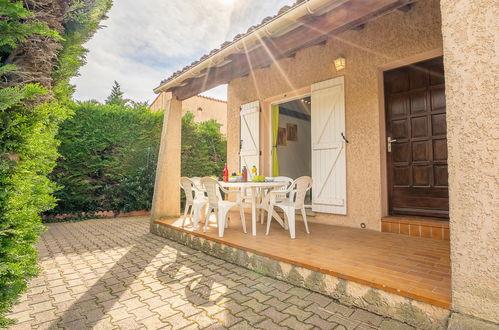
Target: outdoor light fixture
x=340, y=63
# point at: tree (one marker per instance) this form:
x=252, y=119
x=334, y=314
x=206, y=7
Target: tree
x=14, y=22
x=21, y=31
x=116, y=96
x=108, y=159
x=204, y=148
x=109, y=155
x=40, y=50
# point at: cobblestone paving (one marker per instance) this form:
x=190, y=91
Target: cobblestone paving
x=114, y=274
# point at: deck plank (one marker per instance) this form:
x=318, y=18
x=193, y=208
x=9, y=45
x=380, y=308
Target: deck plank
x=414, y=267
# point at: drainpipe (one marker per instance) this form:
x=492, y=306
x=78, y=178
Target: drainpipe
x=308, y=7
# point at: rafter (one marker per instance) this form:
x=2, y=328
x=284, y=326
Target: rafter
x=314, y=30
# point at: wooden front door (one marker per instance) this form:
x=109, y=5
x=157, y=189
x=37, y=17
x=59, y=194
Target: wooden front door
x=417, y=139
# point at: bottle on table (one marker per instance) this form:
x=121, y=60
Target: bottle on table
x=226, y=173
x=245, y=174
x=254, y=171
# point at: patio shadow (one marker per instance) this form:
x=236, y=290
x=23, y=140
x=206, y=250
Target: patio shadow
x=113, y=284
x=198, y=288
x=102, y=296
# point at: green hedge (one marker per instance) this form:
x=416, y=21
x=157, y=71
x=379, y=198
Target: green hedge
x=204, y=148
x=108, y=159
x=29, y=119
x=28, y=152
x=109, y=155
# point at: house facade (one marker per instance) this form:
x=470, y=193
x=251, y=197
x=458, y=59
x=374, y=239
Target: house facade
x=396, y=102
x=360, y=165
x=204, y=108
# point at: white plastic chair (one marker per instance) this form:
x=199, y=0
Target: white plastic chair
x=297, y=190
x=219, y=206
x=194, y=200
x=198, y=187
x=280, y=197
x=284, y=196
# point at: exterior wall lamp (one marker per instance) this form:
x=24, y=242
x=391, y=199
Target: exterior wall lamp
x=340, y=63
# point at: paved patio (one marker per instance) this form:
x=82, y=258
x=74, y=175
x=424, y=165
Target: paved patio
x=109, y=274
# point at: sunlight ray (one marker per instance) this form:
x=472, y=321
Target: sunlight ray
x=276, y=62
x=345, y=41
x=252, y=71
x=370, y=51
x=205, y=78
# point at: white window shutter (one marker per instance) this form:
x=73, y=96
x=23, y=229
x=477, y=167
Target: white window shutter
x=329, y=191
x=249, y=152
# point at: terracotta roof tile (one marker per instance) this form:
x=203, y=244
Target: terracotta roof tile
x=228, y=43
x=211, y=98
x=199, y=95
x=225, y=44
x=238, y=36
x=283, y=10
x=266, y=19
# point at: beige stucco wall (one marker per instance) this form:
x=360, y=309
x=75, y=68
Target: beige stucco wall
x=161, y=102
x=471, y=29
x=204, y=108
x=383, y=41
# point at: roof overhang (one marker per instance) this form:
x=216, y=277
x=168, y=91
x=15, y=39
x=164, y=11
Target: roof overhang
x=306, y=24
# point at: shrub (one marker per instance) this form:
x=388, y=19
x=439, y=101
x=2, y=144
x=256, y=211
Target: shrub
x=204, y=148
x=108, y=159
x=29, y=119
x=109, y=155
x=28, y=153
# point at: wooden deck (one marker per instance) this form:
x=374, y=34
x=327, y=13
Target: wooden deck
x=414, y=267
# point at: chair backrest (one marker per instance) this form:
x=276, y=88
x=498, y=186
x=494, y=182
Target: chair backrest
x=212, y=189
x=286, y=179
x=300, y=187
x=188, y=186
x=196, y=180
x=197, y=187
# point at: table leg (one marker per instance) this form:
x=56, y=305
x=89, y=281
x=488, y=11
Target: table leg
x=253, y=210
x=261, y=205
x=265, y=205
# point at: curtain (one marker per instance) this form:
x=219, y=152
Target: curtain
x=275, y=128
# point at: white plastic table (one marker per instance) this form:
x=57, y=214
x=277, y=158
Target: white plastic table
x=256, y=188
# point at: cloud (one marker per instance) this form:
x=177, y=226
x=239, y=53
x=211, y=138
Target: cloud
x=145, y=41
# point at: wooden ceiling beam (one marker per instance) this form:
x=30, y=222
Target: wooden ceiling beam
x=406, y=8
x=359, y=27
x=314, y=30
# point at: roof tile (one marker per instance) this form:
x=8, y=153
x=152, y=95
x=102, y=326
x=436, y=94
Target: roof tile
x=283, y=10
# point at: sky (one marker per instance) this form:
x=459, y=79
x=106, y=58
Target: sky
x=143, y=42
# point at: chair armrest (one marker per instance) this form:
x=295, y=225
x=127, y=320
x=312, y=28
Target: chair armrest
x=228, y=191
x=279, y=192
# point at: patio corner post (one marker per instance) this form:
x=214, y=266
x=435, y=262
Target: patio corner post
x=469, y=30
x=166, y=199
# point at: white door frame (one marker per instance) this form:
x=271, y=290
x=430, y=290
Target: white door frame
x=269, y=111
x=269, y=114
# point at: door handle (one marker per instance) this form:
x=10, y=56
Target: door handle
x=390, y=141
